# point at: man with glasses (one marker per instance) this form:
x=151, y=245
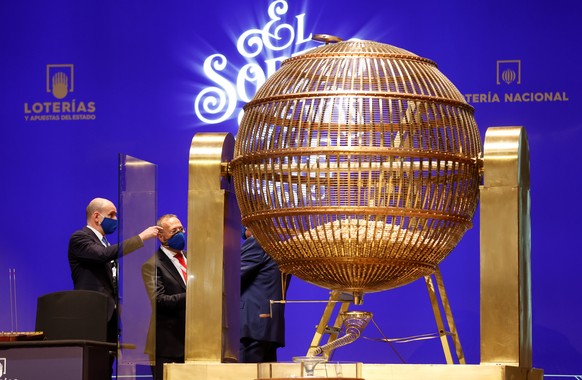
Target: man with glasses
x=165, y=277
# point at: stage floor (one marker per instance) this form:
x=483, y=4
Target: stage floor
x=342, y=370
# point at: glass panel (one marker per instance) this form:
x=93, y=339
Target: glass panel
x=138, y=210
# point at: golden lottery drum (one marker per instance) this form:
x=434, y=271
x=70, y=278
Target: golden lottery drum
x=356, y=166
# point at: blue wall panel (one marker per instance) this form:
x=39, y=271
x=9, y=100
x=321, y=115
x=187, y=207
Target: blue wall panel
x=135, y=77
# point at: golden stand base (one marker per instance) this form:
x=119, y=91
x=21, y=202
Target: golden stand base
x=349, y=371
x=449, y=372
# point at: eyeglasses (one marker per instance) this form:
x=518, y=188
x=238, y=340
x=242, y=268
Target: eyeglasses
x=174, y=231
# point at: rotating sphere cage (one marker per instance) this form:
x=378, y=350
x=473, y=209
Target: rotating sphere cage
x=356, y=166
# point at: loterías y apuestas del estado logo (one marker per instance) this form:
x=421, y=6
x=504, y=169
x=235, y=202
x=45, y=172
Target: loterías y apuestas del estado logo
x=60, y=104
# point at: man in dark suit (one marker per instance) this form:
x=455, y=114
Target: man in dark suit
x=91, y=256
x=262, y=325
x=164, y=276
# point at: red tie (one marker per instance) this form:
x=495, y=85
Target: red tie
x=184, y=268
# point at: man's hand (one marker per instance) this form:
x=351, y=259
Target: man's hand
x=150, y=232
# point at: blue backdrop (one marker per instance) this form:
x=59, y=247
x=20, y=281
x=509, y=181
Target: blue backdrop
x=84, y=81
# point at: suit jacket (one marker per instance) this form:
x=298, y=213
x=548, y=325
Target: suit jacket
x=260, y=283
x=90, y=262
x=167, y=291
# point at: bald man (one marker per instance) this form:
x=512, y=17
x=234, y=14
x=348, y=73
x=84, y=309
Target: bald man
x=91, y=255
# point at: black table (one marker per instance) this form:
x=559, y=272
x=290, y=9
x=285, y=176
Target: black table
x=56, y=360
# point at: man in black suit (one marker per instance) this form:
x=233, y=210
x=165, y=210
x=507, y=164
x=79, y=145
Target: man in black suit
x=262, y=325
x=91, y=256
x=164, y=276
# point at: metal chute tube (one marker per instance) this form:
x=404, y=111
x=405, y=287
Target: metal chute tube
x=355, y=322
x=350, y=336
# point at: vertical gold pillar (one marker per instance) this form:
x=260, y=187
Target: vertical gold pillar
x=213, y=289
x=505, y=249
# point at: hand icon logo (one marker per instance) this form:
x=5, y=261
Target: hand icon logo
x=60, y=85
